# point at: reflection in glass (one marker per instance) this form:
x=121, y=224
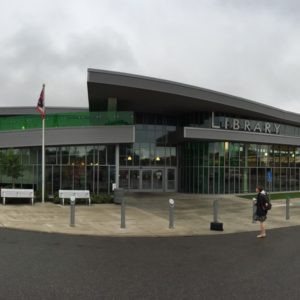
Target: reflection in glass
x=171, y=179
x=124, y=179
x=134, y=179
x=103, y=179
x=157, y=179
x=147, y=179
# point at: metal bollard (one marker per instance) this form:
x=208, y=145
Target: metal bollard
x=171, y=213
x=253, y=209
x=216, y=225
x=123, y=221
x=287, y=208
x=72, y=211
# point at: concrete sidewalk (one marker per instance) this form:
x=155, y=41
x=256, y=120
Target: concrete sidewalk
x=147, y=214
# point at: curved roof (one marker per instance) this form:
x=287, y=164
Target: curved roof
x=146, y=94
x=31, y=110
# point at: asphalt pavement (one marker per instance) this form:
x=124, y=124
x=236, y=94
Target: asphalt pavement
x=37, y=265
x=43, y=257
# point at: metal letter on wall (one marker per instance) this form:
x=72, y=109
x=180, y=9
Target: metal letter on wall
x=213, y=125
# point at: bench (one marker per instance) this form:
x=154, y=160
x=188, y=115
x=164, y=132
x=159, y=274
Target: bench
x=17, y=193
x=78, y=194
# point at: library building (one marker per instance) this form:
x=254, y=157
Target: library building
x=145, y=134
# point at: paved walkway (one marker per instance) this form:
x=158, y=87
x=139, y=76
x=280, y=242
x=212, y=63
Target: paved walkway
x=147, y=214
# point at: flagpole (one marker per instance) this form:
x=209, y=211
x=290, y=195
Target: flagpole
x=41, y=109
x=43, y=161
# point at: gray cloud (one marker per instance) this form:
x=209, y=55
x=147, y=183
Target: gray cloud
x=29, y=60
x=246, y=48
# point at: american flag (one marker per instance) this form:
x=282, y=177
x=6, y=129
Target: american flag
x=41, y=103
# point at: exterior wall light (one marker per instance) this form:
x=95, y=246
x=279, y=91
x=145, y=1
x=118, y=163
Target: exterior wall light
x=157, y=158
x=129, y=157
x=226, y=146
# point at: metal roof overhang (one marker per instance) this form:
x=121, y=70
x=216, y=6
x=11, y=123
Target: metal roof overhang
x=68, y=136
x=151, y=95
x=237, y=136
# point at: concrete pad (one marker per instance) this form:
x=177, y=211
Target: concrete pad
x=147, y=214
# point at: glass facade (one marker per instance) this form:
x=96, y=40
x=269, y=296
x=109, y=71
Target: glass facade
x=73, y=119
x=226, y=167
x=150, y=163
x=160, y=159
x=67, y=167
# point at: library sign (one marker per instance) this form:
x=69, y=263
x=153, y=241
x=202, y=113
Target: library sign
x=246, y=125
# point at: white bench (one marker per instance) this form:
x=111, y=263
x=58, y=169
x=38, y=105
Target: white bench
x=78, y=194
x=17, y=193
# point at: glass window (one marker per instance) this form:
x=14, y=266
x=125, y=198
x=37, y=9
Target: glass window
x=234, y=149
x=297, y=156
x=91, y=183
x=65, y=155
x=134, y=179
x=33, y=155
x=284, y=156
x=112, y=177
x=292, y=156
x=56, y=178
x=102, y=155
x=111, y=155
x=90, y=153
x=129, y=155
x=136, y=154
x=173, y=156
x=271, y=155
x=160, y=156
x=252, y=155
x=67, y=178
x=123, y=154
x=124, y=179
x=77, y=155
x=145, y=154
x=48, y=181
x=79, y=177
x=50, y=155
x=276, y=155
x=263, y=153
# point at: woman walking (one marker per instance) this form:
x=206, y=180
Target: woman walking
x=261, y=212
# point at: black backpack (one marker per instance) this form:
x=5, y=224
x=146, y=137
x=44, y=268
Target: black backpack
x=267, y=204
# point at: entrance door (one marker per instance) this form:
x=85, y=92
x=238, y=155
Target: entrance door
x=134, y=180
x=129, y=179
x=146, y=180
x=171, y=180
x=152, y=180
x=158, y=179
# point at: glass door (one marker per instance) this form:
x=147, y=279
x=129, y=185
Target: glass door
x=171, y=180
x=158, y=180
x=134, y=179
x=124, y=179
x=146, y=180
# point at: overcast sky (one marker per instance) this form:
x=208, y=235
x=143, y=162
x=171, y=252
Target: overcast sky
x=247, y=48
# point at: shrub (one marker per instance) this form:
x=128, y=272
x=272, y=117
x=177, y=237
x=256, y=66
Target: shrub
x=101, y=198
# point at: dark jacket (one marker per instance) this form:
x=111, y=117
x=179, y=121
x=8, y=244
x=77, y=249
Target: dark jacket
x=261, y=200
